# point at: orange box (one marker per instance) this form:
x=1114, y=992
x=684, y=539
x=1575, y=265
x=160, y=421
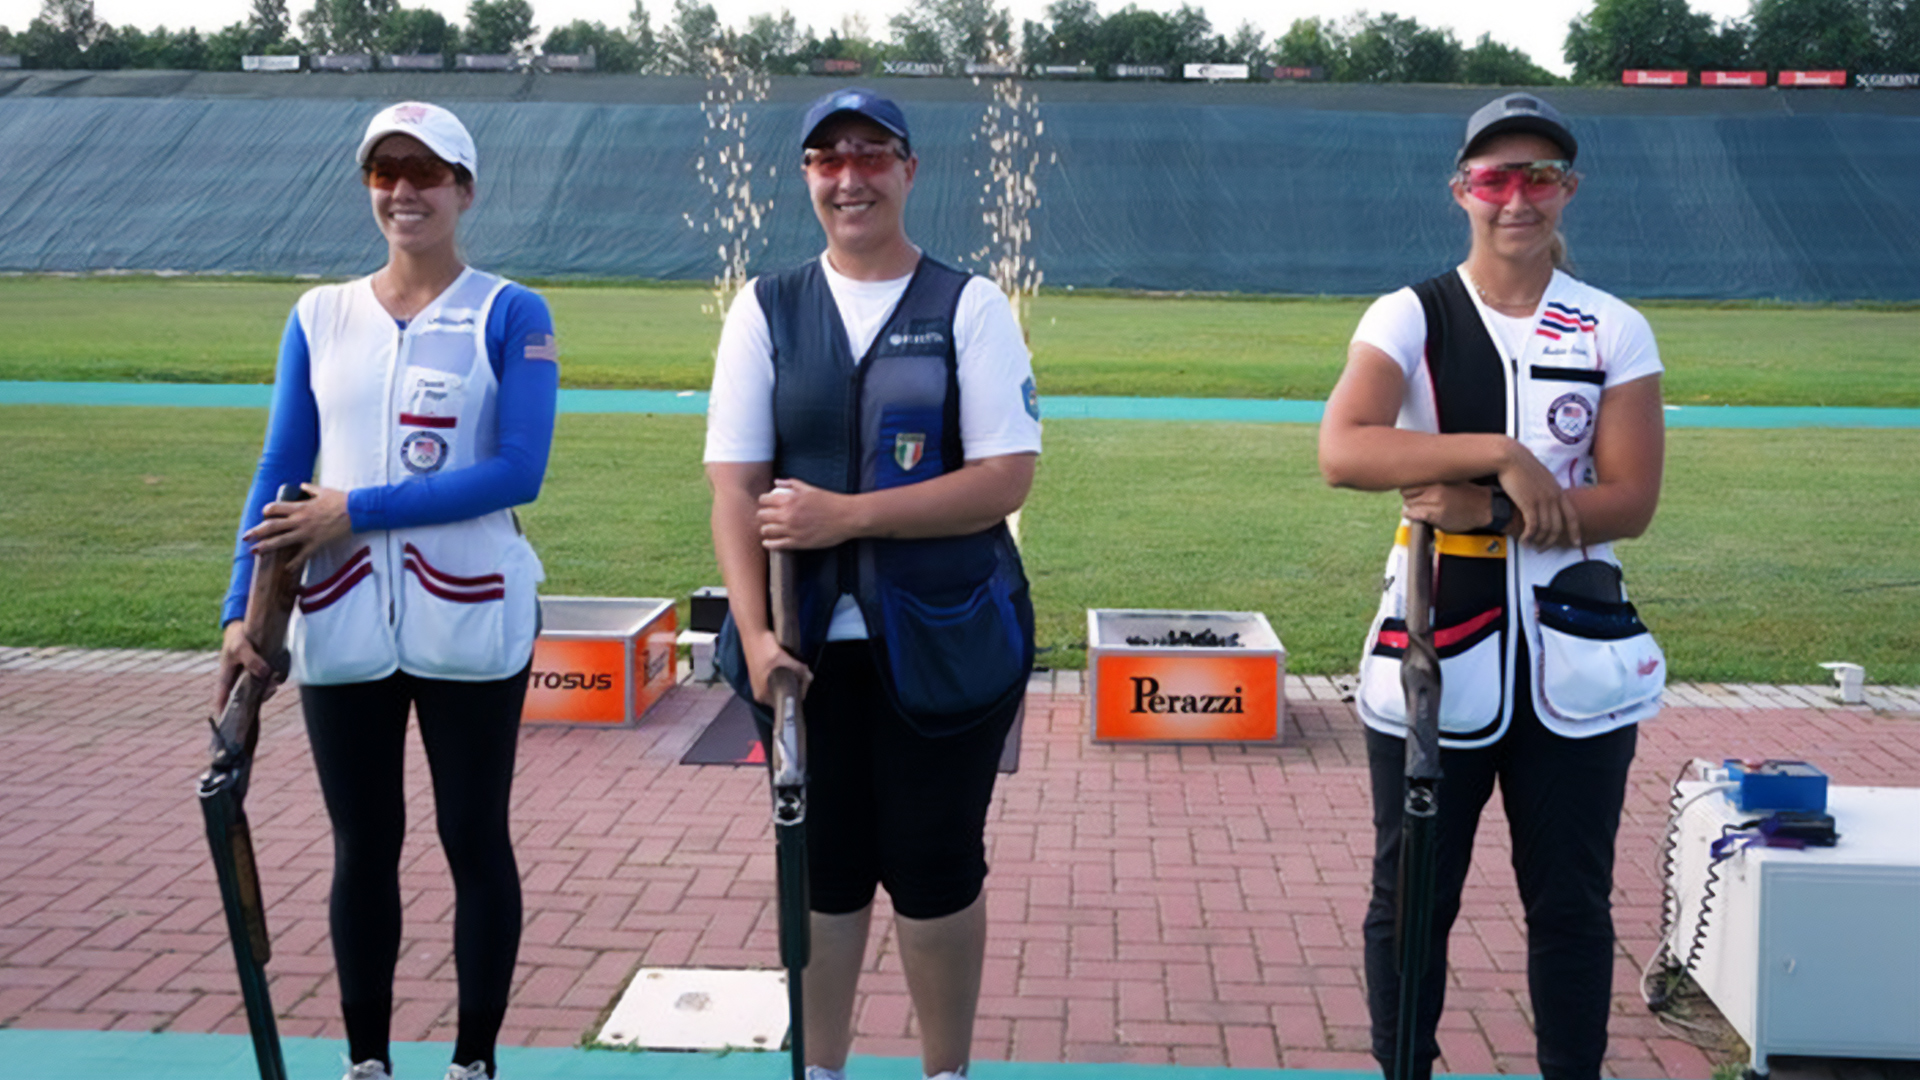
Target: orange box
x=1148, y=690
x=601, y=660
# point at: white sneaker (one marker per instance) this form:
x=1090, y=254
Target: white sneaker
x=475, y=1071
x=370, y=1069
x=949, y=1075
x=816, y=1072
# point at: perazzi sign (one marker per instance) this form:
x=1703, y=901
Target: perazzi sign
x=1147, y=698
x=1176, y=695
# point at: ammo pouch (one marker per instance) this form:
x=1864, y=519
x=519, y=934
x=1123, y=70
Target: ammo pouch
x=1596, y=656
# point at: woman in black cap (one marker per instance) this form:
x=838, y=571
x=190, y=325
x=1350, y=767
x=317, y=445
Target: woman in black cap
x=873, y=413
x=1517, y=411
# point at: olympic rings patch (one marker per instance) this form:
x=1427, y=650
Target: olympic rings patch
x=423, y=452
x=1570, y=418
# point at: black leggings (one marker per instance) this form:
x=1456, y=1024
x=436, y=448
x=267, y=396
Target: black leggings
x=358, y=733
x=1563, y=799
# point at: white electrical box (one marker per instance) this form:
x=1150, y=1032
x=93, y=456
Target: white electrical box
x=1813, y=952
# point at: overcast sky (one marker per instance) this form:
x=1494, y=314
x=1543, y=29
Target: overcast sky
x=1536, y=27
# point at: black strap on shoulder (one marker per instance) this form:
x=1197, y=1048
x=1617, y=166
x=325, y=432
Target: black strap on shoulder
x=1469, y=387
x=1470, y=396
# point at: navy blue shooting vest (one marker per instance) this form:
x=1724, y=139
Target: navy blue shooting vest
x=949, y=619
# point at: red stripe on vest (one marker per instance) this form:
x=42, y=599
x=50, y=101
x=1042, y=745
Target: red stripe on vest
x=427, y=583
x=1397, y=639
x=353, y=560
x=437, y=574
x=309, y=603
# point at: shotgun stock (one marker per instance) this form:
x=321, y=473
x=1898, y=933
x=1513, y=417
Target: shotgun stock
x=223, y=792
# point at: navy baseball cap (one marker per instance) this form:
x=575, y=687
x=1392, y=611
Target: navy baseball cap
x=1517, y=112
x=854, y=100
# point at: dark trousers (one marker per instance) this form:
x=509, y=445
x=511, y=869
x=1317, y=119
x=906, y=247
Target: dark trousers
x=887, y=805
x=1562, y=798
x=470, y=729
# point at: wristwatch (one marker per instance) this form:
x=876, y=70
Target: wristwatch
x=1502, y=514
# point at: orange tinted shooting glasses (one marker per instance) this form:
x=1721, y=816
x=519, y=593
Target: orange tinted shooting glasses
x=420, y=172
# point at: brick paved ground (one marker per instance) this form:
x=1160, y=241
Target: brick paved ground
x=1163, y=904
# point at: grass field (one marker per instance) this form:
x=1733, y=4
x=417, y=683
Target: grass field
x=658, y=337
x=1773, y=550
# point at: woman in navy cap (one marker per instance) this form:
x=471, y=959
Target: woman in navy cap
x=873, y=413
x=1517, y=411
x=424, y=392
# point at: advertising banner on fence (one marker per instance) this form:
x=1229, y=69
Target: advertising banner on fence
x=1064, y=71
x=266, y=63
x=916, y=68
x=834, y=67
x=1733, y=78
x=1284, y=73
x=1907, y=81
x=999, y=71
x=1813, y=78
x=1142, y=71
x=1641, y=77
x=341, y=62
x=1219, y=72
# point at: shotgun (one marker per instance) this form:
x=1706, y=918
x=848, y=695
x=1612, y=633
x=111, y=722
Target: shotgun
x=787, y=762
x=1420, y=681
x=223, y=793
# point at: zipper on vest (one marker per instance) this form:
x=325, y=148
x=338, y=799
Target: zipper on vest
x=1516, y=622
x=847, y=572
x=386, y=435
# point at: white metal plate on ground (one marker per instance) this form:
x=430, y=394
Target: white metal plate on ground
x=700, y=1009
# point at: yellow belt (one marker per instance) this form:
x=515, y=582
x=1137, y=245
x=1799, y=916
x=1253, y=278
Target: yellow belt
x=1462, y=545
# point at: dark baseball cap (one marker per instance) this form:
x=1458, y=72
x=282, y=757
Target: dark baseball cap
x=1517, y=112
x=861, y=102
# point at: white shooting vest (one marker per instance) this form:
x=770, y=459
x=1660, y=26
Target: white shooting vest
x=1580, y=686
x=453, y=601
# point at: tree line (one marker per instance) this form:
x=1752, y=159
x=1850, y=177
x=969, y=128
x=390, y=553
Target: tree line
x=1852, y=35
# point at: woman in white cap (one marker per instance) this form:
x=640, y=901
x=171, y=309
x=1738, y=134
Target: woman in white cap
x=1517, y=411
x=425, y=392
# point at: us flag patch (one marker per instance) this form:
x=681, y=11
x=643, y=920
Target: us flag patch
x=1561, y=319
x=542, y=347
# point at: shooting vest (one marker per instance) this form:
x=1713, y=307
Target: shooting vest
x=1592, y=665
x=949, y=619
x=451, y=601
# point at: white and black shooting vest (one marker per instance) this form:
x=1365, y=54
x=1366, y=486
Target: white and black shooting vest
x=1592, y=666
x=451, y=601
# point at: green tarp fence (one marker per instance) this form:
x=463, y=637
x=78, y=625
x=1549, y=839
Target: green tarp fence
x=1268, y=189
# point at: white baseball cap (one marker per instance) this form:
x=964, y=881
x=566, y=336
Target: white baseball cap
x=438, y=129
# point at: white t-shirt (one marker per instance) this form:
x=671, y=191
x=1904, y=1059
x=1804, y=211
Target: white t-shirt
x=993, y=366
x=1396, y=324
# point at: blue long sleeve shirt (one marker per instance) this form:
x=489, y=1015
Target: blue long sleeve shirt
x=512, y=477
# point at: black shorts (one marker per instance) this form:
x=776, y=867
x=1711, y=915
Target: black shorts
x=887, y=805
